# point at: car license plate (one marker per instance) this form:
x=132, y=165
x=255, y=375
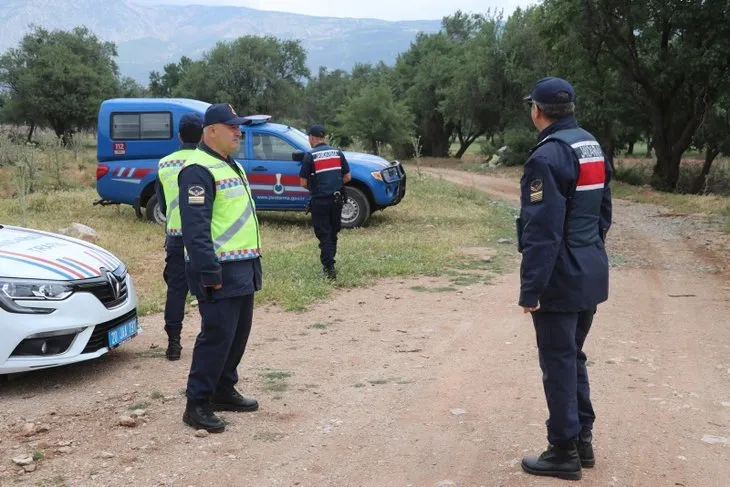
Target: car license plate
x=122, y=333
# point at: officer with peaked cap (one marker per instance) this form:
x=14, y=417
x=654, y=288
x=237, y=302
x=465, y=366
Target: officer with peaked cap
x=223, y=244
x=564, y=217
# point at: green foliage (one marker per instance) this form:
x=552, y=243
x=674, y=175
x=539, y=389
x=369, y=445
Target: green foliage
x=527, y=55
x=635, y=174
x=653, y=72
x=669, y=58
x=254, y=74
x=129, y=88
x=456, y=82
x=477, y=94
x=519, y=141
x=163, y=85
x=59, y=78
x=714, y=133
x=376, y=119
x=324, y=95
x=420, y=75
x=609, y=103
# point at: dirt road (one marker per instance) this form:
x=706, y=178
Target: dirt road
x=392, y=386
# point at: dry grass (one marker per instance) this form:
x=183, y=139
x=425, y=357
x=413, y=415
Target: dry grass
x=631, y=183
x=434, y=220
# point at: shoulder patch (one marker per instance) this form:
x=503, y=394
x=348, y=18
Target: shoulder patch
x=536, y=190
x=196, y=195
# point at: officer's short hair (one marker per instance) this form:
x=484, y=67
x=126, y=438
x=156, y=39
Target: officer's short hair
x=556, y=111
x=191, y=128
x=317, y=131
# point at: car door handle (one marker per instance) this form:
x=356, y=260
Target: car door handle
x=259, y=168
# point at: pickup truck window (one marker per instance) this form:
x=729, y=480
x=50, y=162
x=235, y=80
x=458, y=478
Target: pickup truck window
x=268, y=147
x=300, y=137
x=241, y=154
x=141, y=126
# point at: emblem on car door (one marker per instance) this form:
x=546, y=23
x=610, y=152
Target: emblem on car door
x=278, y=187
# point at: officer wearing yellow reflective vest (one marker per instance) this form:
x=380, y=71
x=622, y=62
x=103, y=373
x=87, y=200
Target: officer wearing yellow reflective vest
x=222, y=243
x=189, y=132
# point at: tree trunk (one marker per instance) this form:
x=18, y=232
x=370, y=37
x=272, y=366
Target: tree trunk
x=374, y=146
x=610, y=153
x=649, y=146
x=436, y=137
x=31, y=130
x=699, y=183
x=666, y=169
x=66, y=138
x=464, y=144
x=670, y=145
x=462, y=148
x=630, y=150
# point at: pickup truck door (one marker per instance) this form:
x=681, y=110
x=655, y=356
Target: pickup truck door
x=273, y=175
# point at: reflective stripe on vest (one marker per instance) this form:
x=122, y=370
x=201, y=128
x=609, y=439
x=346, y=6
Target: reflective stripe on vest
x=326, y=170
x=584, y=204
x=234, y=227
x=168, y=170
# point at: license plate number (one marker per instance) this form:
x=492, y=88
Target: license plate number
x=122, y=333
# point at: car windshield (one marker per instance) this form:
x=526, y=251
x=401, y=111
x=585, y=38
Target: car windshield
x=300, y=137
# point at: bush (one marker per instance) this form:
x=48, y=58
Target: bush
x=717, y=181
x=635, y=174
x=639, y=173
x=518, y=142
x=488, y=148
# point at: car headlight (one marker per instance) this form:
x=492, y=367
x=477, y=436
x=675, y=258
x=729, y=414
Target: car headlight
x=390, y=174
x=387, y=175
x=35, y=290
x=12, y=290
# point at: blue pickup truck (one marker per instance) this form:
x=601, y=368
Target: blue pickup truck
x=135, y=133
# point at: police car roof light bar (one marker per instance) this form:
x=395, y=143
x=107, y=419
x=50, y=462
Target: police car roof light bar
x=256, y=119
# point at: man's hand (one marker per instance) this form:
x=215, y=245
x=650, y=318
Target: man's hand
x=215, y=287
x=531, y=309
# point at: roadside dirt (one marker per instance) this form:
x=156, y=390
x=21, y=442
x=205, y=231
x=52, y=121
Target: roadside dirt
x=392, y=386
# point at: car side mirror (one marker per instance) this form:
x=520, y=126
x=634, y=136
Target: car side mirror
x=297, y=155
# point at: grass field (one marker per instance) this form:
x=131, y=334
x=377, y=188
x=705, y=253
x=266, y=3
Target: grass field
x=632, y=184
x=420, y=236
x=424, y=235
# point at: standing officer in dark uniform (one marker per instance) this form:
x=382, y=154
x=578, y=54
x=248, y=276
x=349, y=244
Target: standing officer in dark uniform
x=565, y=214
x=221, y=235
x=189, y=132
x=325, y=172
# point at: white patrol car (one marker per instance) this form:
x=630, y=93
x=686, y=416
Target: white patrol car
x=62, y=300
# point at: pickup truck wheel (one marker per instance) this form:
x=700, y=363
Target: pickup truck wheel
x=356, y=209
x=153, y=212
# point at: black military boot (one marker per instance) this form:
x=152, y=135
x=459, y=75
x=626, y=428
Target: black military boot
x=585, y=449
x=231, y=400
x=173, y=347
x=200, y=415
x=330, y=272
x=560, y=462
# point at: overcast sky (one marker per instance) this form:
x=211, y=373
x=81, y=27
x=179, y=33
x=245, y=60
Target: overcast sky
x=378, y=9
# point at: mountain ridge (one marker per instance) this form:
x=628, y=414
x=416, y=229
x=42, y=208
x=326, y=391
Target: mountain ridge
x=150, y=36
